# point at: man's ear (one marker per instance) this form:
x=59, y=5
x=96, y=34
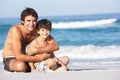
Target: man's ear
x=22, y=22
x=38, y=32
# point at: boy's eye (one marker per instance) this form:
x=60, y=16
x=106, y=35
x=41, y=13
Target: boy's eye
x=43, y=30
x=28, y=20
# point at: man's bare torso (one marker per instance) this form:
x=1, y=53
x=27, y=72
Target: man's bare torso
x=25, y=38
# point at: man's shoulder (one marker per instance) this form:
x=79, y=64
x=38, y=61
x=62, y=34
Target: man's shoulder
x=16, y=27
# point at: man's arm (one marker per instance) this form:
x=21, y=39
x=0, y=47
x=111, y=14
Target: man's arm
x=50, y=47
x=18, y=47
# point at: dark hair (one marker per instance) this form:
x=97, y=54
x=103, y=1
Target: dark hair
x=27, y=12
x=44, y=23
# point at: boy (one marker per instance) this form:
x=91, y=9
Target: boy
x=53, y=63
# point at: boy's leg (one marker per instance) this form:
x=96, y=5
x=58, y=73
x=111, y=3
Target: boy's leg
x=65, y=60
x=51, y=63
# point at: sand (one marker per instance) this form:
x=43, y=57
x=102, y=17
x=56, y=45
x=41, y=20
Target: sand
x=98, y=74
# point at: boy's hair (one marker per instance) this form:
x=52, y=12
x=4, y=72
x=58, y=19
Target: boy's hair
x=44, y=23
x=27, y=12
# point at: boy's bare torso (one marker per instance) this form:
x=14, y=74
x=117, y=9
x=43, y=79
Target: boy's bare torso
x=39, y=42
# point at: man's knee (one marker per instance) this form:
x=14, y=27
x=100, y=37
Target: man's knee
x=21, y=67
x=18, y=66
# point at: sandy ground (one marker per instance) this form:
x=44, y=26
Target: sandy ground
x=98, y=74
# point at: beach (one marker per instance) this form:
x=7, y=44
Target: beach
x=98, y=74
x=90, y=41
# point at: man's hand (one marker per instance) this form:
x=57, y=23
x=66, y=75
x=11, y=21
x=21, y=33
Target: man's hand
x=47, y=55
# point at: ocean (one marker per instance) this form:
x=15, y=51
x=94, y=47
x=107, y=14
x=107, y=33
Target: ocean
x=89, y=40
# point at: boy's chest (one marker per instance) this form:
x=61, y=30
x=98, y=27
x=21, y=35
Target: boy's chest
x=41, y=44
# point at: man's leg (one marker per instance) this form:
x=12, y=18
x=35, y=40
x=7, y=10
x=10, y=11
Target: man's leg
x=18, y=66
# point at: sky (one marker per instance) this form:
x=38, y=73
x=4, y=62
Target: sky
x=13, y=8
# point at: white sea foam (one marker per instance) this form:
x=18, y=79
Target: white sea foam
x=89, y=52
x=88, y=55
x=1, y=55
x=83, y=24
x=86, y=52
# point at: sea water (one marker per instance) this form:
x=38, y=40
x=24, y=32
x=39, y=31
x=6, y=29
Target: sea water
x=89, y=40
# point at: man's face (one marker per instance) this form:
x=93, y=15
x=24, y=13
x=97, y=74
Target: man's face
x=29, y=22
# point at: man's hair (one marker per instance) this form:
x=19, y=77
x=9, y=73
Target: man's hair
x=44, y=23
x=27, y=12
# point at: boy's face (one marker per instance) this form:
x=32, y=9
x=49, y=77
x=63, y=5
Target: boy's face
x=29, y=23
x=44, y=32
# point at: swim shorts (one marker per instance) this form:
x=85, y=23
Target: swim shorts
x=41, y=66
x=6, y=62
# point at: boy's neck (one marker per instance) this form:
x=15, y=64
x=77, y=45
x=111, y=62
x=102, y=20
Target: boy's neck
x=42, y=39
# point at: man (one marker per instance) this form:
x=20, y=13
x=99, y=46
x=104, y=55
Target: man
x=20, y=35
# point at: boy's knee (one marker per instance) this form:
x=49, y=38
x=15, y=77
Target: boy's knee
x=52, y=63
x=65, y=59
